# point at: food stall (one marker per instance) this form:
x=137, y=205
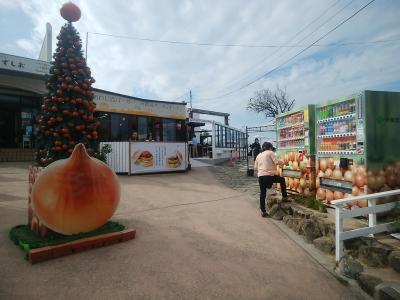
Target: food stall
x=145, y=136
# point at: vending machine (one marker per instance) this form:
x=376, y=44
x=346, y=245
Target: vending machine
x=295, y=143
x=358, y=146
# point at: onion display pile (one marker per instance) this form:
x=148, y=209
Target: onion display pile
x=304, y=185
x=364, y=180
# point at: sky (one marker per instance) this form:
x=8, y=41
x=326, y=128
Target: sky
x=344, y=62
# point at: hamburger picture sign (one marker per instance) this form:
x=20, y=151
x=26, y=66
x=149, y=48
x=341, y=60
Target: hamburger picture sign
x=150, y=157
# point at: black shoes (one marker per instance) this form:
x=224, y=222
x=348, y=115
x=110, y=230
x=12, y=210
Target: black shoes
x=264, y=214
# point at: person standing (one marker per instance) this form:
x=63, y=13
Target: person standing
x=134, y=136
x=266, y=163
x=194, y=146
x=256, y=148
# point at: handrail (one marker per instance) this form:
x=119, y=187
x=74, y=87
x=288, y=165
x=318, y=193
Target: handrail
x=366, y=197
x=371, y=210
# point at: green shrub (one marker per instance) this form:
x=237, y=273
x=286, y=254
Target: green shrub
x=106, y=149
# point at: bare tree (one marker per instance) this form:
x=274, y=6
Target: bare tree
x=270, y=102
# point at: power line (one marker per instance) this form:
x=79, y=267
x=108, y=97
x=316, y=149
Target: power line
x=258, y=67
x=235, y=45
x=228, y=44
x=293, y=57
x=254, y=69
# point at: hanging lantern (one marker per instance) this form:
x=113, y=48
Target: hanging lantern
x=179, y=126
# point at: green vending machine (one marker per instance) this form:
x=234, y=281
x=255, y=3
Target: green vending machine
x=358, y=146
x=295, y=141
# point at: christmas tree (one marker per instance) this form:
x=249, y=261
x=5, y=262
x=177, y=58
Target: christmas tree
x=67, y=111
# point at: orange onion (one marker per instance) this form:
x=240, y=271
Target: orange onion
x=355, y=191
x=290, y=183
x=70, y=12
x=337, y=174
x=77, y=194
x=360, y=180
x=362, y=203
x=321, y=193
x=323, y=165
x=391, y=180
x=331, y=163
x=337, y=195
x=296, y=182
x=348, y=176
x=328, y=173
x=329, y=196
x=302, y=183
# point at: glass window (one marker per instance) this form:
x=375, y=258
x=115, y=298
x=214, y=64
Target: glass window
x=104, y=129
x=228, y=137
x=169, y=130
x=180, y=131
x=216, y=136
x=120, y=127
x=142, y=127
x=157, y=129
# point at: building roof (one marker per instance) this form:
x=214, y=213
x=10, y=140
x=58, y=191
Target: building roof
x=137, y=98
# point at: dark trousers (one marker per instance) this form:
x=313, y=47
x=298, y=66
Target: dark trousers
x=266, y=183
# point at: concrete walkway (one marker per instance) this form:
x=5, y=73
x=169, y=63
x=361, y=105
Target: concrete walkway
x=196, y=239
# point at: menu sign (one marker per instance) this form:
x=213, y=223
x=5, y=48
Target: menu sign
x=150, y=157
x=122, y=104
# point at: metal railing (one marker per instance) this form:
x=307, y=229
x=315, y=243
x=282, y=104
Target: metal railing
x=341, y=213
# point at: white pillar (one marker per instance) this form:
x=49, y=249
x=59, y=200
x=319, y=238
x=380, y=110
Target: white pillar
x=338, y=231
x=213, y=141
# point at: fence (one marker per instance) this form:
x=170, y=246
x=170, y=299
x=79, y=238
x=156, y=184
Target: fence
x=341, y=213
x=118, y=159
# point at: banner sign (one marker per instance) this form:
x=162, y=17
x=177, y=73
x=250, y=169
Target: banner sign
x=151, y=157
x=109, y=102
x=22, y=64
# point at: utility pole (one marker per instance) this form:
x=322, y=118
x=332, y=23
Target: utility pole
x=190, y=97
x=87, y=41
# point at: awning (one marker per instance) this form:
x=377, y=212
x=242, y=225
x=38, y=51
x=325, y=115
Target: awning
x=196, y=124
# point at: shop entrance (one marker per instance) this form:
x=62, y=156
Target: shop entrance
x=8, y=128
x=17, y=120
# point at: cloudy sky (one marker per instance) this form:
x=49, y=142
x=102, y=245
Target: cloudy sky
x=361, y=54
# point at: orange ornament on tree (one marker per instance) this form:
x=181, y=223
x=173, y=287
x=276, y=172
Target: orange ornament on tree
x=77, y=194
x=70, y=12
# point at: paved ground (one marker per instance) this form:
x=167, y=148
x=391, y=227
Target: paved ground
x=196, y=239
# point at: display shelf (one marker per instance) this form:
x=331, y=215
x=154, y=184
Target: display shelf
x=335, y=135
x=339, y=185
x=338, y=118
x=338, y=152
x=291, y=139
x=291, y=126
x=291, y=173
